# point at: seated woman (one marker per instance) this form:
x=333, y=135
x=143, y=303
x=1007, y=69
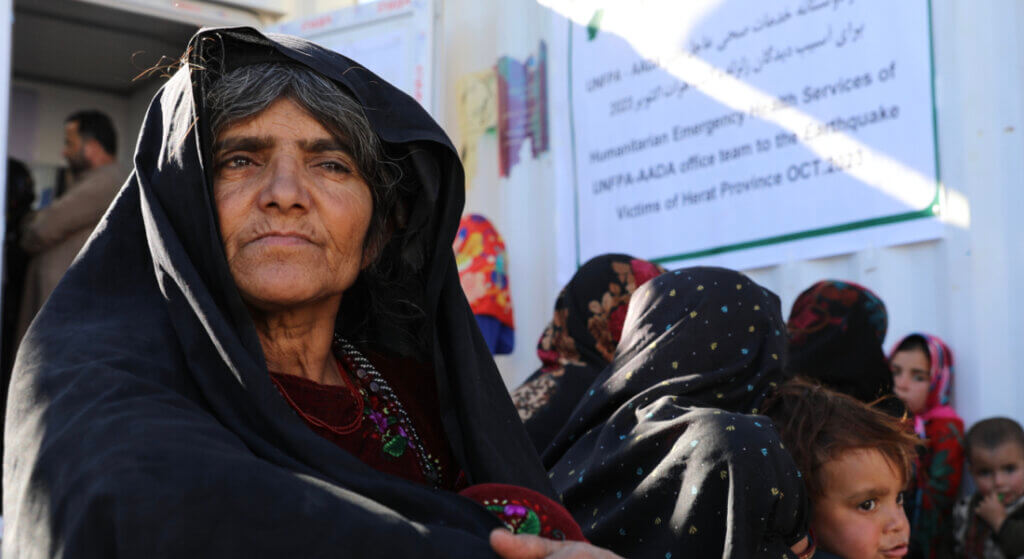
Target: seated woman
x=836, y=329
x=580, y=341
x=661, y=455
x=264, y=350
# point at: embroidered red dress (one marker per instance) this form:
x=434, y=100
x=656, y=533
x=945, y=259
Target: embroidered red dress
x=367, y=424
x=398, y=431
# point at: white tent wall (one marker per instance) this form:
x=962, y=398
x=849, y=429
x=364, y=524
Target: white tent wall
x=472, y=36
x=964, y=287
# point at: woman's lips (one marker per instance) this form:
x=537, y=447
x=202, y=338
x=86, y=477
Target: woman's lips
x=282, y=239
x=898, y=551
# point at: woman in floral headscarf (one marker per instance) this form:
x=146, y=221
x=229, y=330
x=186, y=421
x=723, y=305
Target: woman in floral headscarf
x=922, y=370
x=836, y=330
x=579, y=341
x=483, y=273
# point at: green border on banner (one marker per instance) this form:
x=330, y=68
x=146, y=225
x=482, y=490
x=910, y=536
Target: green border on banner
x=932, y=210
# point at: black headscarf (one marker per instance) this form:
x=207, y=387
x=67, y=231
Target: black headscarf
x=836, y=330
x=580, y=341
x=660, y=458
x=142, y=421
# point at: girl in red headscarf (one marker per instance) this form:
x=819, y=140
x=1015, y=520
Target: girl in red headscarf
x=922, y=370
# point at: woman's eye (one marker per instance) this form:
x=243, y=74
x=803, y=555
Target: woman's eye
x=867, y=506
x=899, y=498
x=920, y=378
x=335, y=167
x=236, y=161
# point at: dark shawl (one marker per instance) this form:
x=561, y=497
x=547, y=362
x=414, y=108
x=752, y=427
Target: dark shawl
x=142, y=421
x=836, y=330
x=580, y=341
x=660, y=458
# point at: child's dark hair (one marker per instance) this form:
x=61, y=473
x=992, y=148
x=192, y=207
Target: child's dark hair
x=992, y=432
x=912, y=342
x=817, y=425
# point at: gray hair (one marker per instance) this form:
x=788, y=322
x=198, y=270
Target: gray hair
x=249, y=90
x=384, y=307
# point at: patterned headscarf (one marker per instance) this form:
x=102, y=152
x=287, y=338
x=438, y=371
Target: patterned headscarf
x=836, y=330
x=660, y=457
x=937, y=404
x=480, y=256
x=580, y=340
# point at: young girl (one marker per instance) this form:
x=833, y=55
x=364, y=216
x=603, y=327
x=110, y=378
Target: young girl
x=855, y=461
x=922, y=371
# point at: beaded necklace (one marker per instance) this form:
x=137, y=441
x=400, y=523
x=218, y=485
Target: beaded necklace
x=389, y=416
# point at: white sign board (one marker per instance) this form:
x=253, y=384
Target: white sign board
x=391, y=38
x=701, y=128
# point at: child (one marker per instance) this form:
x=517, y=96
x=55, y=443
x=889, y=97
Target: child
x=922, y=372
x=855, y=462
x=990, y=524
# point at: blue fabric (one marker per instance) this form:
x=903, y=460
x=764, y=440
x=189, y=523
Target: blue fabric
x=500, y=338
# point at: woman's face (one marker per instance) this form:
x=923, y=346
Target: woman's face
x=911, y=378
x=293, y=209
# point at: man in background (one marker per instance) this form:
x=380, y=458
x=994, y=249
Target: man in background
x=55, y=234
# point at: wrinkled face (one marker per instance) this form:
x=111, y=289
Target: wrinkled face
x=860, y=515
x=999, y=470
x=74, y=148
x=293, y=209
x=911, y=378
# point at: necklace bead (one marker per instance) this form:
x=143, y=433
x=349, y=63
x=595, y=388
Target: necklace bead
x=364, y=369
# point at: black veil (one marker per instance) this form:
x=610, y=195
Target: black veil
x=141, y=419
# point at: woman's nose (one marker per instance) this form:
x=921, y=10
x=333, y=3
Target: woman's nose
x=285, y=188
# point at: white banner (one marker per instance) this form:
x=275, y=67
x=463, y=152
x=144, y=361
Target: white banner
x=391, y=38
x=702, y=128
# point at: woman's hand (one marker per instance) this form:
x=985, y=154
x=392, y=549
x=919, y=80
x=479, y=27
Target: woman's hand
x=510, y=546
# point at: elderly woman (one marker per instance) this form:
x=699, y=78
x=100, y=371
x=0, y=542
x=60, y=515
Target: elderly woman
x=263, y=350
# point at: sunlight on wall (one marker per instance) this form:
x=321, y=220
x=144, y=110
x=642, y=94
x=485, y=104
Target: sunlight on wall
x=653, y=36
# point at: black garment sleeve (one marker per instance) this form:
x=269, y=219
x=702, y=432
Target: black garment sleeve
x=1010, y=537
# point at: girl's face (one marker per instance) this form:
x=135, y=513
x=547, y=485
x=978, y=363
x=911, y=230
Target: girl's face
x=860, y=515
x=911, y=378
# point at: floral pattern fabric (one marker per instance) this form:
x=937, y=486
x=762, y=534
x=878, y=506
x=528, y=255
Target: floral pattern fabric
x=938, y=471
x=579, y=341
x=523, y=511
x=836, y=330
x=483, y=268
